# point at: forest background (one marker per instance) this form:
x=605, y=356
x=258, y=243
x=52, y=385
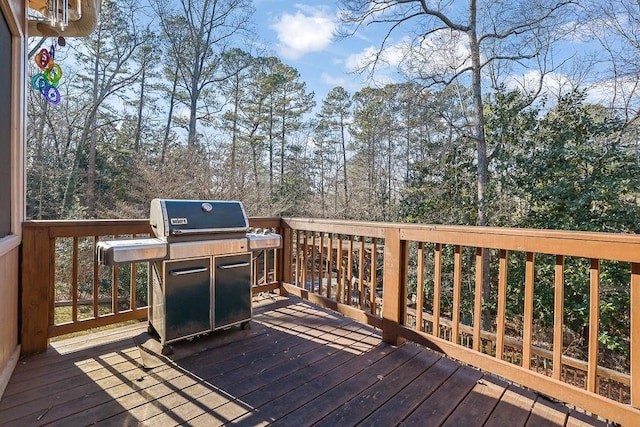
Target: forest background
x=176, y=99
x=173, y=100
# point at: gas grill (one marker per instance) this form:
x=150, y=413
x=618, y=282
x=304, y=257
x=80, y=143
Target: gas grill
x=201, y=260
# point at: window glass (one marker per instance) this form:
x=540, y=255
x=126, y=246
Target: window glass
x=5, y=128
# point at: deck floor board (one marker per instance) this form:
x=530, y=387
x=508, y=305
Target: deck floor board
x=298, y=365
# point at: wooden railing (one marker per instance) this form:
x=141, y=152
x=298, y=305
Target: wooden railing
x=449, y=288
x=64, y=290
x=434, y=285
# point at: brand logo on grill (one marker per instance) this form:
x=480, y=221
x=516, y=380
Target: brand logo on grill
x=179, y=221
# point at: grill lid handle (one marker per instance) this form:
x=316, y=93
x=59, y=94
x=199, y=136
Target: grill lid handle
x=202, y=230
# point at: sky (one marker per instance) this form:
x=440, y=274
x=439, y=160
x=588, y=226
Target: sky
x=302, y=35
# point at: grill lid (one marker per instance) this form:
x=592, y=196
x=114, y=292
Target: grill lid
x=196, y=217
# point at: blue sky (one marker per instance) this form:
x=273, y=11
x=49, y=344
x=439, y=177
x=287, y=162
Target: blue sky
x=302, y=35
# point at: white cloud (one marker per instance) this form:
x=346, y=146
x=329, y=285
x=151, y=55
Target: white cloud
x=332, y=80
x=554, y=85
x=309, y=29
x=389, y=59
x=622, y=95
x=442, y=53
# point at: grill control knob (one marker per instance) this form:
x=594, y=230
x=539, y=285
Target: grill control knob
x=207, y=207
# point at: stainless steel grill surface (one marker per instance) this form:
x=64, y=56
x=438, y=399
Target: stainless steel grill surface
x=201, y=257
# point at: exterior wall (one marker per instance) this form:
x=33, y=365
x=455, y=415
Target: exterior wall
x=14, y=14
x=9, y=350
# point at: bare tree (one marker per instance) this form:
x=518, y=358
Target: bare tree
x=109, y=51
x=614, y=25
x=457, y=40
x=197, y=33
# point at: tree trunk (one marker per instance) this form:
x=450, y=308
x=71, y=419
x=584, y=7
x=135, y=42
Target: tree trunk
x=136, y=145
x=481, y=144
x=167, y=129
x=343, y=141
x=234, y=135
x=89, y=133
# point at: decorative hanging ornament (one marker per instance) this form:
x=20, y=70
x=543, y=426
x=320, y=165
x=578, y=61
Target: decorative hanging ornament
x=47, y=81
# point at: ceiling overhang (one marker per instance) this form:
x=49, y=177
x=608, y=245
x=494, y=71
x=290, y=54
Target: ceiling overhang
x=82, y=17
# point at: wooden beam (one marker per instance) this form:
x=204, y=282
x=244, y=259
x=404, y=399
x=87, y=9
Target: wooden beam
x=393, y=289
x=36, y=295
x=620, y=247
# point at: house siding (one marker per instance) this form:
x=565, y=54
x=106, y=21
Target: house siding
x=14, y=56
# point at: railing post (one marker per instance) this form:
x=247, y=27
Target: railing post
x=286, y=257
x=394, y=284
x=36, y=294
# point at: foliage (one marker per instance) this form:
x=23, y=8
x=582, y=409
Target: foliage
x=216, y=119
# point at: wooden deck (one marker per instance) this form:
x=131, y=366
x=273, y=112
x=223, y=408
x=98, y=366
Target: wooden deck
x=298, y=365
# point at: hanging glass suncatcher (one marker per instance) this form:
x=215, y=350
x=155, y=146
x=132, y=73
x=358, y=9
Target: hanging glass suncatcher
x=46, y=82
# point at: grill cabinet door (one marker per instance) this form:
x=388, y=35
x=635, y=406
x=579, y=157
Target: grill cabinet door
x=187, y=298
x=232, y=290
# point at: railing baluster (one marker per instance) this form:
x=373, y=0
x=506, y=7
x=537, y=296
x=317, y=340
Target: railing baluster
x=502, y=303
x=477, y=306
x=96, y=289
x=255, y=274
x=457, y=286
x=594, y=320
x=321, y=264
x=437, y=288
x=339, y=275
x=420, y=287
x=265, y=266
x=330, y=266
x=74, y=281
x=132, y=287
x=361, y=298
x=374, y=274
x=277, y=274
x=305, y=250
x=634, y=336
x=312, y=279
x=527, y=332
x=558, y=316
x=298, y=275
x=114, y=289
x=349, y=272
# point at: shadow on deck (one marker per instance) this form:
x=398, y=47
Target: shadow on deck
x=298, y=365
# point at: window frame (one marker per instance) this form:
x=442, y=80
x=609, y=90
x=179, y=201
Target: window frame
x=13, y=13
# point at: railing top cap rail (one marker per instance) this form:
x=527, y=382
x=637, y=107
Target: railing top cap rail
x=497, y=231
x=586, y=244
